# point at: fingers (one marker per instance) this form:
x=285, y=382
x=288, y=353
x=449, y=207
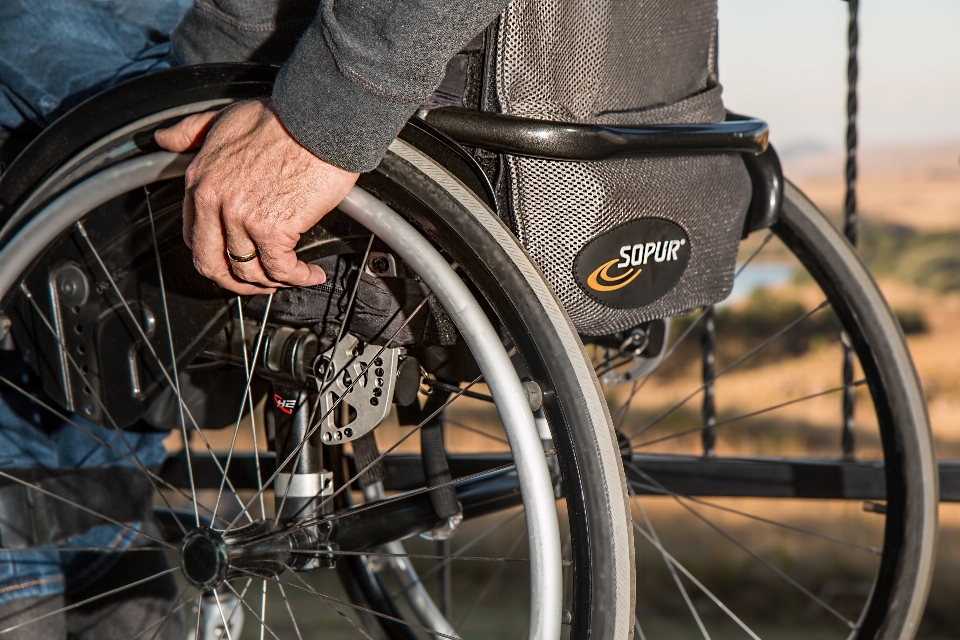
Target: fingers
x=276, y=263
x=187, y=134
x=280, y=263
x=207, y=239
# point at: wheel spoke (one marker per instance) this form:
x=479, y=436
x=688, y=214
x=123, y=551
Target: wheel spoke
x=4, y=474
x=744, y=416
x=293, y=619
x=263, y=624
x=421, y=556
x=335, y=406
x=636, y=628
x=337, y=611
x=699, y=584
x=263, y=607
x=660, y=490
x=756, y=252
x=731, y=367
x=173, y=358
x=486, y=588
x=756, y=556
x=169, y=613
x=163, y=369
x=474, y=541
x=673, y=570
x=248, y=370
x=88, y=600
x=82, y=549
x=246, y=394
x=226, y=625
x=73, y=363
x=480, y=432
x=308, y=589
x=106, y=445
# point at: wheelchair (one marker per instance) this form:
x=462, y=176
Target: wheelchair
x=431, y=413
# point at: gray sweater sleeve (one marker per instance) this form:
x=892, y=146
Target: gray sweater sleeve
x=362, y=68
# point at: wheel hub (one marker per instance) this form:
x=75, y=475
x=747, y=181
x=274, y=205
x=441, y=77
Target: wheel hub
x=209, y=557
x=204, y=558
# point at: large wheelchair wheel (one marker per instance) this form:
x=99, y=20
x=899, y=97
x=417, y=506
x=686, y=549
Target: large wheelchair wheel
x=434, y=324
x=781, y=470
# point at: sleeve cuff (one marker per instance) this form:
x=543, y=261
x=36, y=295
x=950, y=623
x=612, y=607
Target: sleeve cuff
x=334, y=117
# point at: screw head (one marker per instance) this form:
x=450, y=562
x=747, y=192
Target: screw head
x=379, y=265
x=323, y=369
x=374, y=402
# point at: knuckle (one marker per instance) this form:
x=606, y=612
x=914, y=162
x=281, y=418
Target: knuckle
x=204, y=196
x=190, y=175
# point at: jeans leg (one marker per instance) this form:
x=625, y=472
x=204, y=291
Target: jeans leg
x=51, y=627
x=56, y=53
x=32, y=437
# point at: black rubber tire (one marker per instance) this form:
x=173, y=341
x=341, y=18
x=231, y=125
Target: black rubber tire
x=900, y=589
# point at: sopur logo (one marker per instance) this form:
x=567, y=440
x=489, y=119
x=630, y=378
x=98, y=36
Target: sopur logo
x=633, y=264
x=631, y=257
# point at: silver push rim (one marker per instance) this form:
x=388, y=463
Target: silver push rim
x=546, y=578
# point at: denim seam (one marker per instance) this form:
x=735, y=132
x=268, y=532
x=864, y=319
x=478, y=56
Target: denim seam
x=261, y=27
x=103, y=558
x=32, y=583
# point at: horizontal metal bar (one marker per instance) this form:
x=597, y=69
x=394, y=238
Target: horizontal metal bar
x=758, y=477
x=574, y=141
x=687, y=475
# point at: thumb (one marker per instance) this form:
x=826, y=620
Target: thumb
x=187, y=134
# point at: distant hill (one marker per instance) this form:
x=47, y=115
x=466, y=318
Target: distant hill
x=917, y=187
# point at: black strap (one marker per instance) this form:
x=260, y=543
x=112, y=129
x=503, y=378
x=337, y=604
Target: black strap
x=62, y=503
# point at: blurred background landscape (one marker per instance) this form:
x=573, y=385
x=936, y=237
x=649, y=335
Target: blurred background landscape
x=785, y=61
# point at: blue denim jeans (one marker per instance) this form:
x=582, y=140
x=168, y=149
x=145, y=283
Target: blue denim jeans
x=56, y=53
x=53, y=55
x=31, y=436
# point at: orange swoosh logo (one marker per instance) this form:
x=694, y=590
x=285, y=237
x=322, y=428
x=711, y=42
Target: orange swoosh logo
x=603, y=273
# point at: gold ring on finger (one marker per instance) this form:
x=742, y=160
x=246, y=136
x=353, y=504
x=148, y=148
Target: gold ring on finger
x=247, y=257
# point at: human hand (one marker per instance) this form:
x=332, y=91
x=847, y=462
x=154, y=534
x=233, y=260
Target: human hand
x=252, y=189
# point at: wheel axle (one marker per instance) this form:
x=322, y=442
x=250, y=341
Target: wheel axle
x=209, y=557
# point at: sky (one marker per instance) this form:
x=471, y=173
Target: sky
x=785, y=61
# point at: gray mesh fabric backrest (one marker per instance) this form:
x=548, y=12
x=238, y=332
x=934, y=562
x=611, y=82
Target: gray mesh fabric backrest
x=621, y=62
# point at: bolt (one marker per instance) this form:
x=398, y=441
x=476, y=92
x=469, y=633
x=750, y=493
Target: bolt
x=323, y=368
x=379, y=264
x=374, y=402
x=377, y=392
x=378, y=362
x=68, y=287
x=348, y=432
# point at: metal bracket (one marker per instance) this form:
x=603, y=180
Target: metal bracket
x=368, y=401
